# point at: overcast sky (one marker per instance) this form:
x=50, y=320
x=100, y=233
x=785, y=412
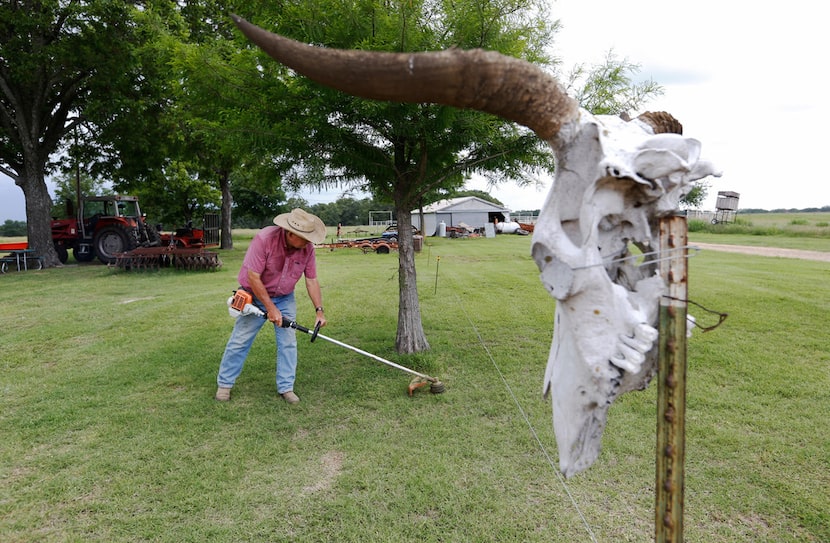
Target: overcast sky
x=744, y=78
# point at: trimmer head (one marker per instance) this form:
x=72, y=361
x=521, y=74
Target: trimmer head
x=435, y=386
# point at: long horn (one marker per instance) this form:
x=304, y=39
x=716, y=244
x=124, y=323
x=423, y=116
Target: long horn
x=487, y=81
x=662, y=122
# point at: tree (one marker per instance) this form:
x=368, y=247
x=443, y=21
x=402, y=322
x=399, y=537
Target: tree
x=174, y=198
x=209, y=140
x=694, y=199
x=258, y=197
x=411, y=154
x=221, y=136
x=57, y=59
x=347, y=211
x=609, y=88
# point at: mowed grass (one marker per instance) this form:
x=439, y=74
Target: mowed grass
x=110, y=430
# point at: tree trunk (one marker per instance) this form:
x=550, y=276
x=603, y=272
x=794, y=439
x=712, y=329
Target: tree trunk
x=411, y=337
x=38, y=215
x=227, y=204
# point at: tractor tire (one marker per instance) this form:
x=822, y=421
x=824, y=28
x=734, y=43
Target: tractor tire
x=153, y=238
x=63, y=253
x=83, y=257
x=111, y=240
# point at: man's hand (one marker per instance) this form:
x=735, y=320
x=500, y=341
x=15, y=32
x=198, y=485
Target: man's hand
x=261, y=294
x=275, y=316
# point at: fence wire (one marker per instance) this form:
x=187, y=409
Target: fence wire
x=532, y=430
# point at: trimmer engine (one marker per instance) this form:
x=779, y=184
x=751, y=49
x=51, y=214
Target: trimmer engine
x=240, y=299
x=242, y=303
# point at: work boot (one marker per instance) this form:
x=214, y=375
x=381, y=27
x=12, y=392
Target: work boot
x=290, y=397
x=223, y=394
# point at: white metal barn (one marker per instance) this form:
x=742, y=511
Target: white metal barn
x=470, y=210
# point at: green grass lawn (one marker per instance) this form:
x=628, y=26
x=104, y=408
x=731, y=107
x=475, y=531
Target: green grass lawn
x=805, y=231
x=111, y=432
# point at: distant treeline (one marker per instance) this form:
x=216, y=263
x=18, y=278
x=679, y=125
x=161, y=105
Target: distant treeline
x=351, y=212
x=824, y=209
x=11, y=228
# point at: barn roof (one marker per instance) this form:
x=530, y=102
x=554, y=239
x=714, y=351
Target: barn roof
x=463, y=203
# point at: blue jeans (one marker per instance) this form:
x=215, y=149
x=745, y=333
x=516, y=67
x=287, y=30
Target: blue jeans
x=244, y=332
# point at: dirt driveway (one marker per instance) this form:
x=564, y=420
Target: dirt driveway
x=765, y=251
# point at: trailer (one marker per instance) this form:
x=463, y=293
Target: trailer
x=367, y=245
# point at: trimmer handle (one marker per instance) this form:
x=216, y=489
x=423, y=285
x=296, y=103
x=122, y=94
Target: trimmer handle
x=288, y=323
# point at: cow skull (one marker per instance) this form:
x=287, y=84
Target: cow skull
x=613, y=181
x=612, y=185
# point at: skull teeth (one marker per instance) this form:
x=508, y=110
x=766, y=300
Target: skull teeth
x=646, y=333
x=632, y=349
x=627, y=363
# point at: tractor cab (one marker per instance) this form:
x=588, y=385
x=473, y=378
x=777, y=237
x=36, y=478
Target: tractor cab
x=119, y=209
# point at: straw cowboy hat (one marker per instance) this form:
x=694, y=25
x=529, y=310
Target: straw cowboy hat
x=302, y=223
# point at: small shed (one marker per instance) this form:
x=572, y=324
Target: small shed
x=469, y=210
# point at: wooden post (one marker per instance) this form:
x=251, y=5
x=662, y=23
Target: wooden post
x=671, y=383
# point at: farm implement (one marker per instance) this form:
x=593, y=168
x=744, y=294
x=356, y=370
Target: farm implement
x=368, y=245
x=154, y=258
x=184, y=249
x=382, y=244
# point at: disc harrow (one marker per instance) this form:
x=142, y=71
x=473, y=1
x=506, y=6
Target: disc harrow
x=154, y=258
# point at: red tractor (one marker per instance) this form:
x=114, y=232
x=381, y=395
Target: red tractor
x=104, y=227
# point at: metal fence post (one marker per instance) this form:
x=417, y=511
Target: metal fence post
x=671, y=383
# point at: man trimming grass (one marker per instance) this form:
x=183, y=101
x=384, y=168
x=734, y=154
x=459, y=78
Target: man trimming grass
x=275, y=260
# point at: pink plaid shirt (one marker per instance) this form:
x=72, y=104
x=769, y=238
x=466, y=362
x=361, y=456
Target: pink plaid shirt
x=278, y=266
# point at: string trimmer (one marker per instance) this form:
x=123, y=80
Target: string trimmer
x=241, y=304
